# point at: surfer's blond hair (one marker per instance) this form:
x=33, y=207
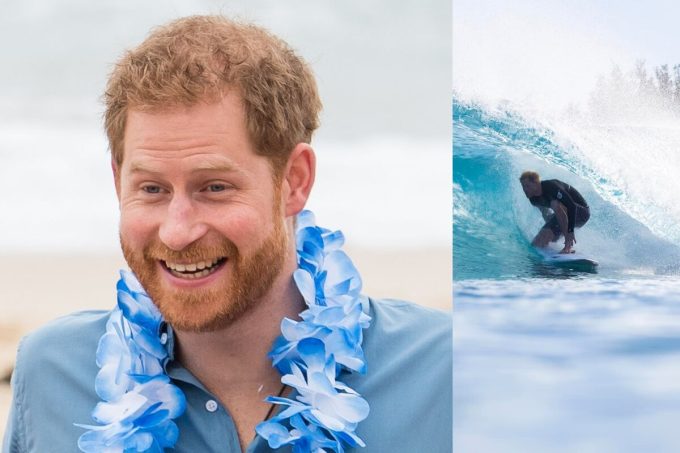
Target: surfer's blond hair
x=198, y=59
x=530, y=175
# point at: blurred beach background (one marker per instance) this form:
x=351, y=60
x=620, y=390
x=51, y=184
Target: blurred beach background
x=384, y=165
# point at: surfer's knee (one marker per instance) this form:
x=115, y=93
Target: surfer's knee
x=541, y=244
x=550, y=235
x=543, y=237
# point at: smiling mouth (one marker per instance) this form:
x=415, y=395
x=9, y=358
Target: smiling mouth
x=194, y=270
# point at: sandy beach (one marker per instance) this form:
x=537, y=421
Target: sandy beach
x=60, y=284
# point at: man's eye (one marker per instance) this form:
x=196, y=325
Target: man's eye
x=216, y=188
x=151, y=189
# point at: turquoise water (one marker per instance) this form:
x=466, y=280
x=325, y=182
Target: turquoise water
x=494, y=222
x=548, y=359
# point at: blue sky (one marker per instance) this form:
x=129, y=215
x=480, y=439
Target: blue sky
x=647, y=29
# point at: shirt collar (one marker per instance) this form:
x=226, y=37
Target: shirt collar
x=167, y=337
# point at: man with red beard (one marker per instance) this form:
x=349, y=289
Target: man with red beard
x=209, y=123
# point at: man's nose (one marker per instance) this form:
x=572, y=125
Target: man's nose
x=182, y=224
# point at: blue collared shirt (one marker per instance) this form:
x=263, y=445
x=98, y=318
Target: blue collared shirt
x=408, y=350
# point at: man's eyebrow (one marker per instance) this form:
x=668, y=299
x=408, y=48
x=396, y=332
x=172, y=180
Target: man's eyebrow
x=222, y=167
x=137, y=167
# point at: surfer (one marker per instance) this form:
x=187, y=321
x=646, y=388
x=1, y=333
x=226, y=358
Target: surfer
x=569, y=209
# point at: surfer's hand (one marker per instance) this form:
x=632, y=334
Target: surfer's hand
x=569, y=241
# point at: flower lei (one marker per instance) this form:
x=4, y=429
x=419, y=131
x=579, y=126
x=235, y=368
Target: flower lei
x=139, y=402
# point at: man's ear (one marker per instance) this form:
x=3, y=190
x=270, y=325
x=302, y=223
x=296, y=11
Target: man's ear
x=116, y=177
x=298, y=178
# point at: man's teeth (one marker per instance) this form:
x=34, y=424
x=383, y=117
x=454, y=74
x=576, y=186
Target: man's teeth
x=193, y=270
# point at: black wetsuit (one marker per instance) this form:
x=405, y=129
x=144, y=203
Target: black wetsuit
x=578, y=211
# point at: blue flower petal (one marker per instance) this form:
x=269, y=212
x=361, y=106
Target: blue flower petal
x=330, y=316
x=333, y=240
x=313, y=352
x=327, y=420
x=320, y=383
x=130, y=282
x=109, y=384
x=140, y=441
x=340, y=268
x=275, y=433
x=351, y=439
x=152, y=416
x=166, y=434
x=305, y=284
x=351, y=407
x=126, y=407
x=92, y=441
x=292, y=410
x=151, y=344
x=305, y=219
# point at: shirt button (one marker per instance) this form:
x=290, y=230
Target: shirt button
x=211, y=405
x=164, y=338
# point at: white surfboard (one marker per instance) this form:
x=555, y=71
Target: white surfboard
x=575, y=260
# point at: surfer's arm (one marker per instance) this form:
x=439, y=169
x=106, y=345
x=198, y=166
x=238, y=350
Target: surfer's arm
x=563, y=221
x=569, y=209
x=545, y=212
x=561, y=212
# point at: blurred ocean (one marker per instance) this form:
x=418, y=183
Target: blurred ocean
x=587, y=365
x=383, y=148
